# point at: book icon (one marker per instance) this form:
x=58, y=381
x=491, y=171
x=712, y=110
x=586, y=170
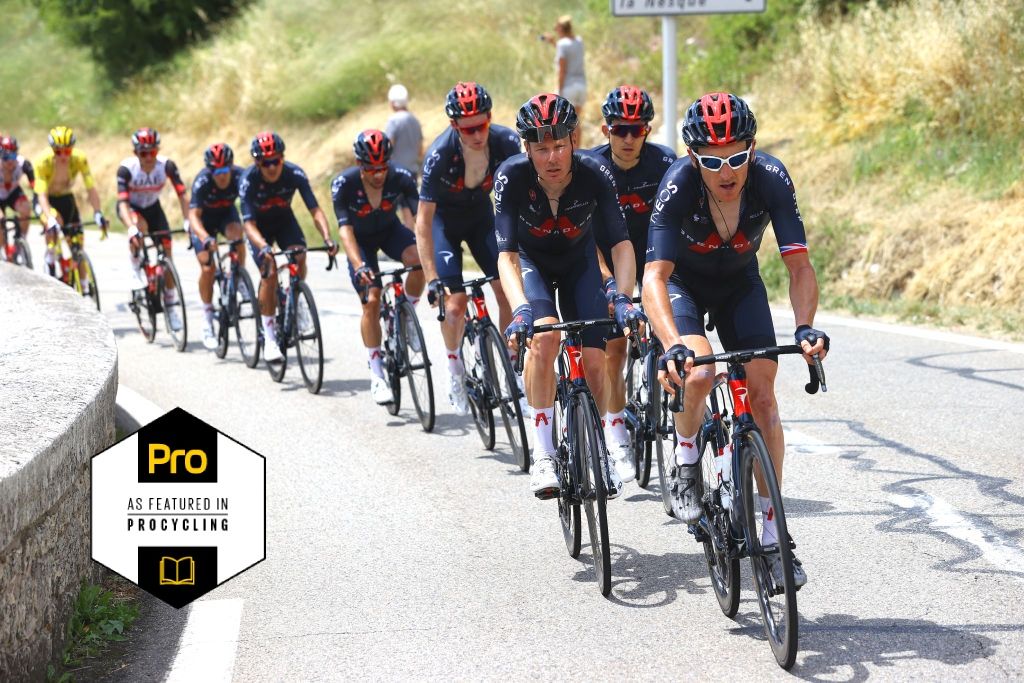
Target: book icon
x=179, y=571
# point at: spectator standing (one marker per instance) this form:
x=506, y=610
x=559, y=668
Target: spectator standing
x=571, y=78
x=403, y=129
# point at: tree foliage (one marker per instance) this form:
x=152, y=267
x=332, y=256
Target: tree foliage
x=127, y=35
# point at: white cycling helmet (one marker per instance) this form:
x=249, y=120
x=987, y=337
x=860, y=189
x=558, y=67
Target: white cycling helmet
x=398, y=95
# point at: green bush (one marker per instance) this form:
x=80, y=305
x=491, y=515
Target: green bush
x=126, y=35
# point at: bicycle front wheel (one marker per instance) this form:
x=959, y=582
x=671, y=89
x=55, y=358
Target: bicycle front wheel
x=777, y=603
x=417, y=365
x=506, y=391
x=309, y=345
x=589, y=456
x=638, y=396
x=664, y=439
x=90, y=287
x=724, y=571
x=174, y=305
x=477, y=379
x=143, y=305
x=246, y=312
x=22, y=252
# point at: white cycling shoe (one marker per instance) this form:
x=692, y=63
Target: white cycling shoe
x=209, y=337
x=380, y=391
x=457, y=394
x=271, y=350
x=543, y=480
x=173, y=315
x=621, y=455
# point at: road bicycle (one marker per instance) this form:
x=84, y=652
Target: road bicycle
x=76, y=271
x=18, y=251
x=162, y=293
x=581, y=459
x=297, y=322
x=728, y=528
x=648, y=419
x=405, y=347
x=236, y=304
x=489, y=377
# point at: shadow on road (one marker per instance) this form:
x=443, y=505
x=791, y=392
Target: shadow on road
x=644, y=581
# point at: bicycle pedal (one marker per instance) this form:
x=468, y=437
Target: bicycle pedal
x=546, y=494
x=698, y=532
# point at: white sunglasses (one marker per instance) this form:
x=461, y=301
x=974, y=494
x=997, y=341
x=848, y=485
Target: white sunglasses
x=715, y=164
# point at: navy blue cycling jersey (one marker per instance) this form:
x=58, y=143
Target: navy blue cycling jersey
x=444, y=168
x=262, y=199
x=683, y=231
x=637, y=187
x=352, y=206
x=206, y=195
x=522, y=213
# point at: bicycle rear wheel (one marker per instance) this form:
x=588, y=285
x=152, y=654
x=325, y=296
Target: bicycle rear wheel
x=417, y=365
x=179, y=336
x=638, y=397
x=309, y=345
x=247, y=318
x=506, y=391
x=586, y=436
x=476, y=380
x=777, y=603
x=724, y=571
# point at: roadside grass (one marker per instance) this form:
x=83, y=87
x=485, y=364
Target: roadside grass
x=101, y=615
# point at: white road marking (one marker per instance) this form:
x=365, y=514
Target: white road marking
x=209, y=643
x=947, y=519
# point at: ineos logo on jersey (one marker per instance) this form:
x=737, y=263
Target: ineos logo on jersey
x=666, y=193
x=431, y=161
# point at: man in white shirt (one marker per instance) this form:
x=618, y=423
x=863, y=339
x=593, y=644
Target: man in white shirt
x=403, y=129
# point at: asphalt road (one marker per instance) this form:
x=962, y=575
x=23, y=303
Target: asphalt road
x=394, y=554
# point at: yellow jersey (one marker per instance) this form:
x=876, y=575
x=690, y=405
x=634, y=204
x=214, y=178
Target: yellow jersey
x=54, y=182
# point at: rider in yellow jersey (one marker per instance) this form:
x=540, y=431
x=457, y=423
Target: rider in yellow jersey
x=55, y=172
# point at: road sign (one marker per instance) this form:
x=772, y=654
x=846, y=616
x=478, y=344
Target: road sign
x=178, y=508
x=660, y=8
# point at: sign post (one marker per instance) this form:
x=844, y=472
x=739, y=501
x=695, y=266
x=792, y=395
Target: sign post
x=668, y=10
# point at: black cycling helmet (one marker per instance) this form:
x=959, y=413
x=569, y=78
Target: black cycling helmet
x=145, y=139
x=718, y=119
x=372, y=146
x=546, y=115
x=266, y=144
x=218, y=156
x=467, y=99
x=629, y=103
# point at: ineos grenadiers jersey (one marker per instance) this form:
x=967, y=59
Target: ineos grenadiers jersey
x=352, y=206
x=522, y=214
x=142, y=189
x=444, y=168
x=637, y=187
x=207, y=196
x=682, y=230
x=263, y=199
x=10, y=181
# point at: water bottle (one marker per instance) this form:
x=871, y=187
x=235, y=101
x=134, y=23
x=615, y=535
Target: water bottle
x=723, y=470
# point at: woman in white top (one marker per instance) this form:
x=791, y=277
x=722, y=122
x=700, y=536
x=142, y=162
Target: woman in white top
x=571, y=77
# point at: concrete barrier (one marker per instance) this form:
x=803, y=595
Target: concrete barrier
x=58, y=381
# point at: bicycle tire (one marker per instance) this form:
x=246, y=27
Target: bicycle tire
x=417, y=366
x=309, y=343
x=179, y=337
x=224, y=312
x=22, y=252
x=93, y=286
x=723, y=569
x=662, y=422
x=394, y=377
x=638, y=395
x=780, y=617
x=476, y=381
x=589, y=446
x=143, y=304
x=506, y=391
x=277, y=369
x=245, y=308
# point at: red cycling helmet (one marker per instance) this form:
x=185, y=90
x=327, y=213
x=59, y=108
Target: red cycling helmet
x=372, y=147
x=8, y=144
x=718, y=119
x=218, y=156
x=266, y=144
x=629, y=103
x=467, y=99
x=145, y=139
x=546, y=115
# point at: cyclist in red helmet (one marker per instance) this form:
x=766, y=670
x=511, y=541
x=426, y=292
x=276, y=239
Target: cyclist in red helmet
x=13, y=167
x=710, y=215
x=637, y=166
x=545, y=201
x=212, y=212
x=266, y=191
x=368, y=199
x=455, y=208
x=140, y=179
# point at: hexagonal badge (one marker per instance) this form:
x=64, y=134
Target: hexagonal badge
x=178, y=508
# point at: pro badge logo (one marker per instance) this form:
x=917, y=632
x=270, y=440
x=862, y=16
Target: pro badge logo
x=178, y=508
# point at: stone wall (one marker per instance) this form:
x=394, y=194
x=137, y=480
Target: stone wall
x=58, y=382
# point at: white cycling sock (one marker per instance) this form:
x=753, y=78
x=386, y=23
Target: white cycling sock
x=542, y=423
x=208, y=312
x=615, y=427
x=268, y=326
x=376, y=365
x=412, y=299
x=455, y=366
x=686, y=450
x=769, y=534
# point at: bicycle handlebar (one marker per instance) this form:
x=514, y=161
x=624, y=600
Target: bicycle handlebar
x=570, y=326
